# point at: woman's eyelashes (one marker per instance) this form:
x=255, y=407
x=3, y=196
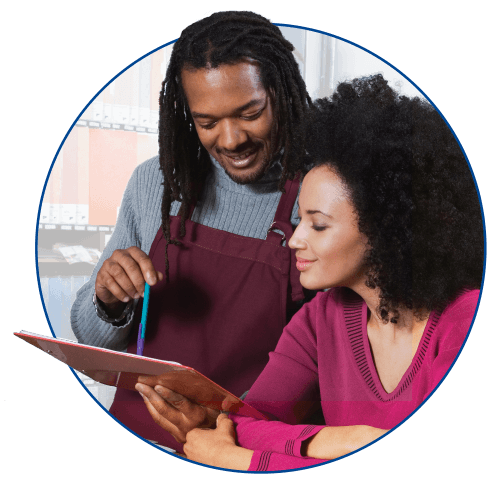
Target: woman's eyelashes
x=314, y=226
x=319, y=227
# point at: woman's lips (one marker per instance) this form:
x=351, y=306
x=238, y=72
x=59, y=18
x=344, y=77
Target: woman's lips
x=303, y=264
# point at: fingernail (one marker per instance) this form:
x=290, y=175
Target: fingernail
x=150, y=278
x=136, y=296
x=126, y=299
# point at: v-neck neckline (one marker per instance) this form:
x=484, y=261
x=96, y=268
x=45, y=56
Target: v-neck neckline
x=356, y=317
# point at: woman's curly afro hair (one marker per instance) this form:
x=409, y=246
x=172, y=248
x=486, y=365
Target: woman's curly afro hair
x=412, y=189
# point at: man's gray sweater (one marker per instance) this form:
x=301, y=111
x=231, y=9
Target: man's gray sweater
x=246, y=210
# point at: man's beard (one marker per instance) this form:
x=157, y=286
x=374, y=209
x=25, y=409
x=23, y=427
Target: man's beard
x=256, y=175
x=253, y=177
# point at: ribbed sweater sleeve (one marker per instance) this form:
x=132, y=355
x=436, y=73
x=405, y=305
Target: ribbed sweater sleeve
x=269, y=461
x=273, y=436
x=246, y=210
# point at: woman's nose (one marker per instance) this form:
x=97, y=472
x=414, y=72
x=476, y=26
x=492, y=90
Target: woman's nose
x=297, y=242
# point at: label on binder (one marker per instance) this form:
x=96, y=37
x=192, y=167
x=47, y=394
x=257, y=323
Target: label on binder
x=134, y=116
x=97, y=110
x=121, y=114
x=54, y=213
x=68, y=214
x=154, y=120
x=44, y=212
x=82, y=214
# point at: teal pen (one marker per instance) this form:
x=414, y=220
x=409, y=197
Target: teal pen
x=142, y=325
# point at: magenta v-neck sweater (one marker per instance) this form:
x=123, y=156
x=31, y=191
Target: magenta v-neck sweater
x=324, y=355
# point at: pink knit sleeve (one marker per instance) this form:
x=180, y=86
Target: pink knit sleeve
x=268, y=461
x=456, y=320
x=273, y=436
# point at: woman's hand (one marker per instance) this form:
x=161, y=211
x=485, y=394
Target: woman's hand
x=217, y=447
x=333, y=442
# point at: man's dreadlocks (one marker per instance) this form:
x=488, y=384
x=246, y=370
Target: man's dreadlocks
x=226, y=38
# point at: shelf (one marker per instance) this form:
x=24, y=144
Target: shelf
x=51, y=261
x=115, y=126
x=88, y=237
x=92, y=228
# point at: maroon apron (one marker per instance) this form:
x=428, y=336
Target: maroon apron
x=223, y=311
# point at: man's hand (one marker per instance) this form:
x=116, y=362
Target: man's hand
x=173, y=412
x=217, y=447
x=122, y=277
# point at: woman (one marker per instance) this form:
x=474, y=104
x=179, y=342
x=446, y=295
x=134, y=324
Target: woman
x=391, y=226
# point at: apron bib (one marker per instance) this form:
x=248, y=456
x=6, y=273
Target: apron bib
x=224, y=310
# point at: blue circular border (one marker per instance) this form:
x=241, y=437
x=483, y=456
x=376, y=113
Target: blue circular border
x=473, y=319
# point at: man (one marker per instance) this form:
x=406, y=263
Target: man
x=231, y=138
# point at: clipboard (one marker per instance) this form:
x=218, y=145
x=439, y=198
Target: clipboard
x=122, y=370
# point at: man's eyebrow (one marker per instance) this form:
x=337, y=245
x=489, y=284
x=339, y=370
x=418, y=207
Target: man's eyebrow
x=242, y=108
x=316, y=211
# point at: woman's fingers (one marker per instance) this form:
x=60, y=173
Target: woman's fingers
x=225, y=425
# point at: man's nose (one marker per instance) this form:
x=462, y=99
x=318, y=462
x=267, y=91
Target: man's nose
x=231, y=135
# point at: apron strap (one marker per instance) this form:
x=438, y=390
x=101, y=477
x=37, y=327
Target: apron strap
x=285, y=206
x=281, y=219
x=282, y=222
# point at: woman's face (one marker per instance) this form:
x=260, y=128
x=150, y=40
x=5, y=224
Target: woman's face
x=329, y=247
